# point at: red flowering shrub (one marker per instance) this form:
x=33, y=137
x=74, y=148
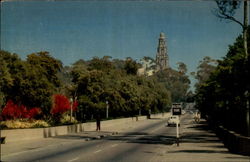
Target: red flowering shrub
x=14, y=111
x=74, y=106
x=61, y=104
x=10, y=110
x=34, y=112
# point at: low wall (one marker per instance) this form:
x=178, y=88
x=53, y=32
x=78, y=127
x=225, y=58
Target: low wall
x=14, y=135
x=233, y=141
x=38, y=133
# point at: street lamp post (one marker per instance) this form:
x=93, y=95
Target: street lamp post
x=71, y=102
x=107, y=109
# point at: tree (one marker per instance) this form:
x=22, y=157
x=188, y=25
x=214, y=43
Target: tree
x=32, y=80
x=48, y=65
x=131, y=66
x=6, y=81
x=182, y=67
x=103, y=64
x=126, y=94
x=220, y=97
x=204, y=70
x=12, y=77
x=177, y=82
x=226, y=10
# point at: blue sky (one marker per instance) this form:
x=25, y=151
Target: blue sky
x=72, y=30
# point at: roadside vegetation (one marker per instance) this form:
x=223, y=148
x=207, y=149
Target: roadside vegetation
x=41, y=90
x=221, y=89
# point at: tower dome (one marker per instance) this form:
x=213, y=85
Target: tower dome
x=162, y=35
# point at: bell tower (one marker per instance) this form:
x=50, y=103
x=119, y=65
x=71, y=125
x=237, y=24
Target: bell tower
x=162, y=56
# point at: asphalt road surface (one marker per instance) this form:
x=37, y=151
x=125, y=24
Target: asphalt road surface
x=140, y=144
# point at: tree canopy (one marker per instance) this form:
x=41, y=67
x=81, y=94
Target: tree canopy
x=91, y=84
x=30, y=82
x=221, y=97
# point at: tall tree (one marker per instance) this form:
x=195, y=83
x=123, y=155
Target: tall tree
x=177, y=82
x=182, y=67
x=220, y=94
x=48, y=65
x=131, y=66
x=127, y=94
x=6, y=81
x=30, y=83
x=205, y=68
x=226, y=10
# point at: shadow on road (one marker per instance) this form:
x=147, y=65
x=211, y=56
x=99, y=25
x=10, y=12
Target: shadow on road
x=143, y=138
x=199, y=133
x=155, y=118
x=84, y=135
x=200, y=139
x=198, y=151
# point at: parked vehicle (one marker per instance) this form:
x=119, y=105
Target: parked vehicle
x=173, y=120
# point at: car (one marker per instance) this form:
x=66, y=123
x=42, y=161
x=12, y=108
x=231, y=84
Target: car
x=173, y=120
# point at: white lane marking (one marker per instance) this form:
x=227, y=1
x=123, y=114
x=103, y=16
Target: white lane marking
x=73, y=159
x=97, y=151
x=114, y=145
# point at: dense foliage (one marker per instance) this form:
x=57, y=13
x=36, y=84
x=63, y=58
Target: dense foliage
x=223, y=97
x=116, y=82
x=41, y=81
x=176, y=82
x=31, y=82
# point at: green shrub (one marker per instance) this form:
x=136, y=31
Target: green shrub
x=17, y=124
x=40, y=124
x=66, y=119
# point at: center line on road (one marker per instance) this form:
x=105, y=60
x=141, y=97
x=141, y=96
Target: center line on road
x=97, y=151
x=73, y=159
x=114, y=145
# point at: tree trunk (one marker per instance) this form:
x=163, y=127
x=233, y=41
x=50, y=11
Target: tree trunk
x=245, y=26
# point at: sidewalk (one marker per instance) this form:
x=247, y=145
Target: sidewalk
x=198, y=144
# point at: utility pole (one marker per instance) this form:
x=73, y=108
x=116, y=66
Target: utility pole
x=107, y=109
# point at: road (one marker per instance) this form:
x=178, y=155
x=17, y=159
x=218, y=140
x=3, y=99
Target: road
x=147, y=140
x=138, y=144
